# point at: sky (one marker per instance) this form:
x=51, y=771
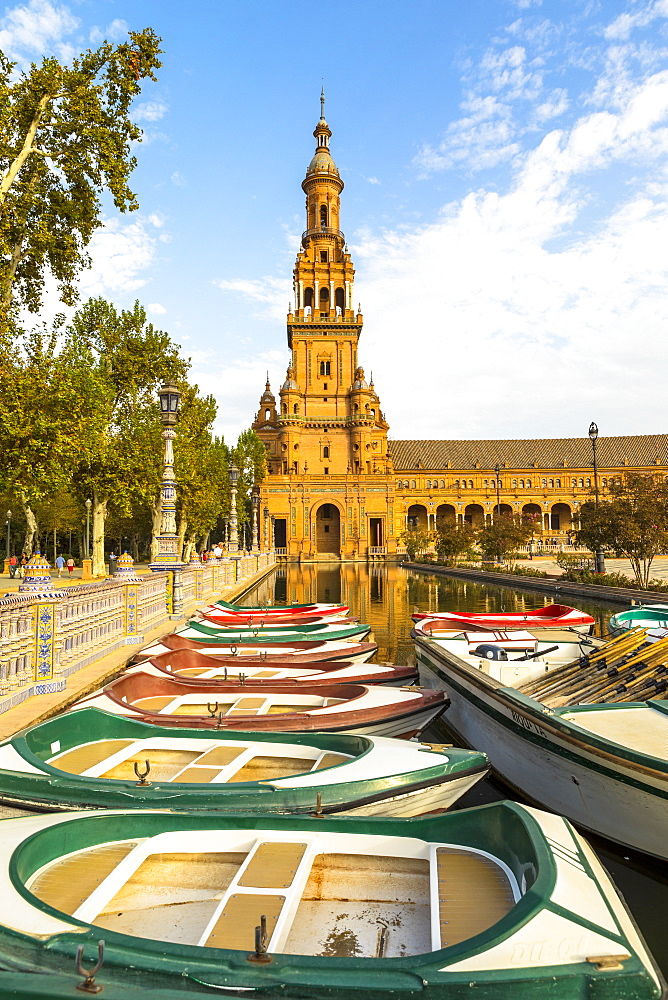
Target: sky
x=505, y=204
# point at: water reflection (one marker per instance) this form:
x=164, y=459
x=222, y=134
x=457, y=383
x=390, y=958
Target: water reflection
x=386, y=596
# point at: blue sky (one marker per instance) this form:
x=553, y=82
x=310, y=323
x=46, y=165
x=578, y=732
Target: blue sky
x=506, y=198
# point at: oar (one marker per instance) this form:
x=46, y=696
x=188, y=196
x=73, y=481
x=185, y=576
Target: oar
x=562, y=674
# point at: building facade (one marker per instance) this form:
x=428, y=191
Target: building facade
x=337, y=486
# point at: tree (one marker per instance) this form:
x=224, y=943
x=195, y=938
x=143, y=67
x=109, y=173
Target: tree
x=66, y=137
x=51, y=417
x=416, y=541
x=452, y=539
x=131, y=359
x=503, y=536
x=250, y=457
x=633, y=522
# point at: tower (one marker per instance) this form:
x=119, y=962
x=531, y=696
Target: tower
x=327, y=439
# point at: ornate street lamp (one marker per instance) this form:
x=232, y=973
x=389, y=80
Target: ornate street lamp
x=89, y=504
x=255, y=500
x=266, y=530
x=599, y=555
x=168, y=556
x=9, y=528
x=233, y=543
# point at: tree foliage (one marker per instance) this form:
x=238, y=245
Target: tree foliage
x=498, y=539
x=453, y=539
x=66, y=137
x=416, y=541
x=633, y=522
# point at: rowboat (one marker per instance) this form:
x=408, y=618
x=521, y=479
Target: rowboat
x=56, y=765
x=274, y=633
x=498, y=901
x=512, y=657
x=229, y=620
x=612, y=780
x=654, y=616
x=377, y=710
x=188, y=665
x=281, y=609
x=274, y=652
x=550, y=616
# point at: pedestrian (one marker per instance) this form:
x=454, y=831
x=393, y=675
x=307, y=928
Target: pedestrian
x=112, y=563
x=13, y=563
x=70, y=565
x=21, y=571
x=217, y=551
x=205, y=555
x=60, y=565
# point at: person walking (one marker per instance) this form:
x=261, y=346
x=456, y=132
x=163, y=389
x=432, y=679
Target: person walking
x=70, y=565
x=13, y=563
x=112, y=563
x=60, y=565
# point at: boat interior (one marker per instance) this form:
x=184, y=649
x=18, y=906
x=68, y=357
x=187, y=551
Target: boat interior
x=327, y=894
x=229, y=704
x=174, y=759
x=643, y=728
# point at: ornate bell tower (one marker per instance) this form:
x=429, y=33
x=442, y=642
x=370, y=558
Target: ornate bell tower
x=328, y=426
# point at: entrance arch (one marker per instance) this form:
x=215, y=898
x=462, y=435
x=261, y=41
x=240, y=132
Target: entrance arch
x=416, y=518
x=561, y=517
x=328, y=529
x=446, y=514
x=474, y=515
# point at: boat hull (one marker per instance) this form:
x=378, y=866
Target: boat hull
x=599, y=791
x=559, y=908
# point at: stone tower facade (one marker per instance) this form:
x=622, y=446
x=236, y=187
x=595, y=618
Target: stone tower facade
x=328, y=428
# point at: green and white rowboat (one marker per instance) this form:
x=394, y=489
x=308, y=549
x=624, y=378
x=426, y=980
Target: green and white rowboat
x=87, y=759
x=495, y=902
x=605, y=766
x=274, y=633
x=650, y=616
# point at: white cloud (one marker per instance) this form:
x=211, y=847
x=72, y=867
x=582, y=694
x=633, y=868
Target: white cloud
x=156, y=309
x=150, y=111
x=623, y=25
x=177, y=179
x=272, y=294
x=37, y=27
x=121, y=253
x=237, y=386
x=373, y=180
x=534, y=315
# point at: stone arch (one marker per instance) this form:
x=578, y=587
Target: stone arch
x=416, y=517
x=474, y=515
x=531, y=515
x=446, y=514
x=327, y=518
x=561, y=517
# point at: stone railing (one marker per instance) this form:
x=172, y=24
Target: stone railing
x=46, y=634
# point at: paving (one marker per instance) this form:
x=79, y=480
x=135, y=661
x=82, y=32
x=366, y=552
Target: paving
x=659, y=570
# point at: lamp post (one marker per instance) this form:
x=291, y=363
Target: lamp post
x=233, y=543
x=168, y=556
x=266, y=529
x=9, y=528
x=599, y=556
x=89, y=504
x=497, y=470
x=255, y=500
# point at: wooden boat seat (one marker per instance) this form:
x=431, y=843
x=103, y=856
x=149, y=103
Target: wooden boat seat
x=165, y=764
x=641, y=729
x=330, y=760
x=268, y=768
x=273, y=865
x=66, y=884
x=473, y=894
x=80, y=758
x=152, y=704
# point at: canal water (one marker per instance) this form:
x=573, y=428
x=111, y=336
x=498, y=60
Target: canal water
x=385, y=596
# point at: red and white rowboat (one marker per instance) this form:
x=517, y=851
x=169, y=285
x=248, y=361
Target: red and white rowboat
x=550, y=616
x=378, y=710
x=265, y=652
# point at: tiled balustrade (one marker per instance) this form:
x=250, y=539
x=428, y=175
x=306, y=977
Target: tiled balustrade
x=49, y=634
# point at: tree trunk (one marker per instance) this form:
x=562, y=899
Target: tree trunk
x=31, y=528
x=99, y=516
x=155, y=530
x=135, y=549
x=183, y=527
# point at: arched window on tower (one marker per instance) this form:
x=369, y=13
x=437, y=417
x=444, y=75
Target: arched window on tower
x=324, y=299
x=267, y=414
x=308, y=296
x=323, y=216
x=325, y=452
x=325, y=368
x=295, y=408
x=340, y=301
x=284, y=407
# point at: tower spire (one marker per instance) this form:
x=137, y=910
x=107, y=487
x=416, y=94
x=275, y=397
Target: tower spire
x=322, y=103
